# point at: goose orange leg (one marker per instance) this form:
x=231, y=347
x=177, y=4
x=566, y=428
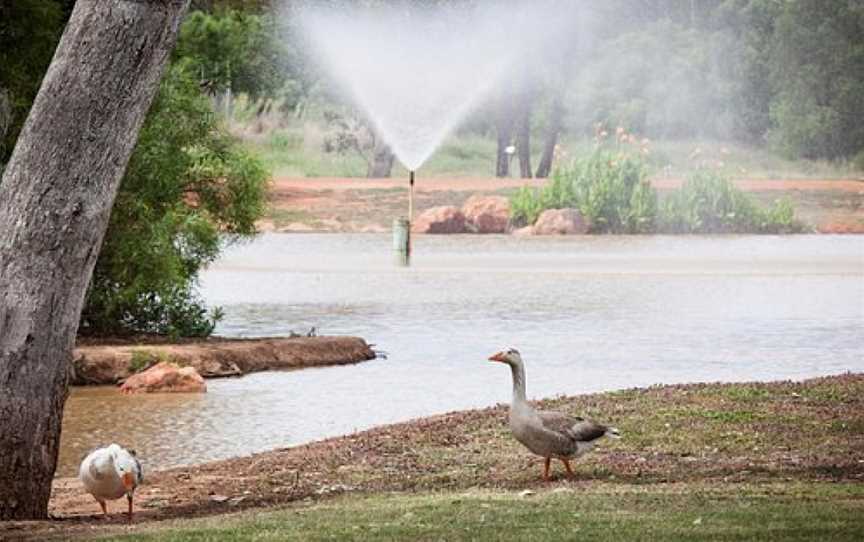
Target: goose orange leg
x=104, y=509
x=570, y=472
x=129, y=498
x=546, y=469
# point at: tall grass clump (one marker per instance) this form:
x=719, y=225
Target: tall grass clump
x=609, y=187
x=708, y=202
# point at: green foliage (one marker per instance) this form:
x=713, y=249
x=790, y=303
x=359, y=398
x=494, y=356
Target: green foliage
x=818, y=69
x=29, y=30
x=187, y=184
x=710, y=203
x=525, y=206
x=662, y=79
x=142, y=360
x=234, y=49
x=608, y=186
x=858, y=161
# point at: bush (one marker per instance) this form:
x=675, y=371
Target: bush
x=710, y=203
x=858, y=161
x=187, y=186
x=609, y=187
x=525, y=206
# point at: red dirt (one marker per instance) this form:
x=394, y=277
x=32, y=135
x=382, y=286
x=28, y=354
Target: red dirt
x=369, y=205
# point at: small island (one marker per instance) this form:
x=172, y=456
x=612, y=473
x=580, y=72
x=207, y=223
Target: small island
x=110, y=362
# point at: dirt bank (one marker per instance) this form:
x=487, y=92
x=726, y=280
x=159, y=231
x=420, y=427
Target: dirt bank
x=111, y=363
x=685, y=436
x=369, y=205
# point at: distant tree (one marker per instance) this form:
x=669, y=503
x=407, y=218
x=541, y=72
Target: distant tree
x=58, y=189
x=233, y=52
x=351, y=132
x=817, y=67
x=29, y=30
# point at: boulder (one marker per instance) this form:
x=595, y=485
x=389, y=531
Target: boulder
x=165, y=377
x=439, y=220
x=487, y=214
x=524, y=232
x=560, y=222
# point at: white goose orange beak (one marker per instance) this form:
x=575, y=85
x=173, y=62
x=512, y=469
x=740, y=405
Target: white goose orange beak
x=128, y=481
x=498, y=357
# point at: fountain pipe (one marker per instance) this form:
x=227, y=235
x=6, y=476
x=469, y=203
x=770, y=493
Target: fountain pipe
x=410, y=209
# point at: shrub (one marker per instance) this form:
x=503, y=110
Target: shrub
x=708, y=202
x=525, y=206
x=858, y=161
x=142, y=360
x=187, y=186
x=609, y=187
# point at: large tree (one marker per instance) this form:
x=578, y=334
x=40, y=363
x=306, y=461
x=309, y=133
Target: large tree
x=55, y=201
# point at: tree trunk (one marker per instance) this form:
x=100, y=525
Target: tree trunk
x=523, y=137
x=504, y=128
x=523, y=127
x=57, y=192
x=381, y=165
x=552, y=133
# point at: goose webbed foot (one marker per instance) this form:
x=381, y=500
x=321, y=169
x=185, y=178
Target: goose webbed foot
x=570, y=472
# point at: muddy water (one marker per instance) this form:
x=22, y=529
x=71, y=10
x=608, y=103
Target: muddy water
x=587, y=314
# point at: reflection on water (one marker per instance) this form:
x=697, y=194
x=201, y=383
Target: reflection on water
x=588, y=314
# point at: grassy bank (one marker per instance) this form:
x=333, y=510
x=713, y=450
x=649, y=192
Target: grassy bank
x=607, y=512
x=298, y=152
x=764, y=460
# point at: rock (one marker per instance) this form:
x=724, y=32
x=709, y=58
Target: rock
x=524, y=232
x=165, y=377
x=560, y=222
x=439, y=220
x=487, y=214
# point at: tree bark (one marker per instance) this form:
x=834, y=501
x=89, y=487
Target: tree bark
x=381, y=165
x=504, y=128
x=523, y=134
x=55, y=200
x=553, y=131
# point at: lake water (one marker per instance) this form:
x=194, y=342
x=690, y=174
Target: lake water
x=587, y=313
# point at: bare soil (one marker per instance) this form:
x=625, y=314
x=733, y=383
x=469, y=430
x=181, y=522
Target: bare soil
x=683, y=436
x=370, y=205
x=106, y=361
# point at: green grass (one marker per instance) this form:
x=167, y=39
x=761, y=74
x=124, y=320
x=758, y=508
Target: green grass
x=298, y=152
x=284, y=217
x=794, y=512
x=680, y=158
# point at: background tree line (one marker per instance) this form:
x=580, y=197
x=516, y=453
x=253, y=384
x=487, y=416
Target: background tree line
x=785, y=76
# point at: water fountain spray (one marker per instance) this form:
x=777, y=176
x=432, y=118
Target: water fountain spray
x=465, y=54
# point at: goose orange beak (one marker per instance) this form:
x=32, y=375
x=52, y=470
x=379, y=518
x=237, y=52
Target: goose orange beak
x=498, y=357
x=128, y=481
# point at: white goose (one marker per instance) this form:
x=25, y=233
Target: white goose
x=109, y=473
x=548, y=434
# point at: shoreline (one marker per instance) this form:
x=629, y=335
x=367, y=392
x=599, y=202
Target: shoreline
x=690, y=435
x=360, y=205
x=97, y=362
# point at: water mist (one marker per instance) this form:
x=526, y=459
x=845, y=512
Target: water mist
x=417, y=72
